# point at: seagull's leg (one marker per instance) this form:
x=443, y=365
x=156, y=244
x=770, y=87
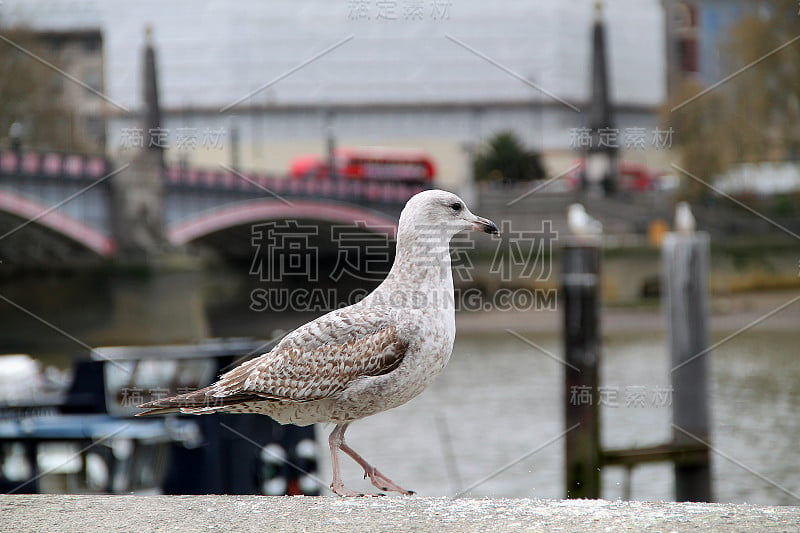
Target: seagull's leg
x=377, y=479
x=336, y=440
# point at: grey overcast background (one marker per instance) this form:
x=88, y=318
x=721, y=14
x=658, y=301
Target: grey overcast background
x=211, y=53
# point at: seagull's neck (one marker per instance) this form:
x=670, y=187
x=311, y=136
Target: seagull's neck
x=421, y=265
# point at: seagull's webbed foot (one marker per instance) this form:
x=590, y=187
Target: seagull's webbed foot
x=382, y=482
x=336, y=441
x=341, y=490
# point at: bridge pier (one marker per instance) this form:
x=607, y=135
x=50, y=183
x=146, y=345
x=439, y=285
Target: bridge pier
x=157, y=306
x=138, y=190
x=138, y=214
x=57, y=316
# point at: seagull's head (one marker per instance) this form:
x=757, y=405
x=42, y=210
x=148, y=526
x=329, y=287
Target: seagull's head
x=576, y=210
x=443, y=210
x=684, y=219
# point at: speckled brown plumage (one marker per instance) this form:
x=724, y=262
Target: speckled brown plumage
x=363, y=359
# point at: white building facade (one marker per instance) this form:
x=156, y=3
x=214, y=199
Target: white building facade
x=440, y=75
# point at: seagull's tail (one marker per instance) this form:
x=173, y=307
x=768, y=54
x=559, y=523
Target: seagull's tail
x=199, y=402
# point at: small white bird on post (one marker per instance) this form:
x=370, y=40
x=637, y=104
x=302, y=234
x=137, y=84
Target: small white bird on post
x=580, y=223
x=684, y=219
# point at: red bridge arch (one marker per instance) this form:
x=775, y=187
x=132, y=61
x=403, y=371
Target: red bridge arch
x=253, y=211
x=35, y=213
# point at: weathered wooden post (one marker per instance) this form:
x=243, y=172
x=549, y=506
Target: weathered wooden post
x=686, y=263
x=580, y=293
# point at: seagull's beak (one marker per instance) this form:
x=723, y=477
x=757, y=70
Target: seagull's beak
x=485, y=225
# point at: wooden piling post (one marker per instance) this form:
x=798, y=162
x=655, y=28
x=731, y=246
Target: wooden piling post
x=580, y=302
x=686, y=264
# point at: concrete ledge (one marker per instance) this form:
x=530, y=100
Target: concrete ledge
x=278, y=514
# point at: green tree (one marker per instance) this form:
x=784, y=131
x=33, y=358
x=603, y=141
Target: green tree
x=753, y=116
x=504, y=158
x=702, y=134
x=766, y=97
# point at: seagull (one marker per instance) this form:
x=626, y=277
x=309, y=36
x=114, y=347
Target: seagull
x=580, y=223
x=684, y=219
x=363, y=359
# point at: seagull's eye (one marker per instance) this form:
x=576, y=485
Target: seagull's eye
x=456, y=206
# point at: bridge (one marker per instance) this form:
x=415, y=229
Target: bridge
x=56, y=206
x=68, y=208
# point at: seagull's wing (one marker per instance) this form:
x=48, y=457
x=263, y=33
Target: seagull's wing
x=313, y=362
x=321, y=357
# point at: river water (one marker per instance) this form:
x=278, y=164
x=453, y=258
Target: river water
x=499, y=400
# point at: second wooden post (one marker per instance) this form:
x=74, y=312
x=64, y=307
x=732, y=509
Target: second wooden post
x=580, y=291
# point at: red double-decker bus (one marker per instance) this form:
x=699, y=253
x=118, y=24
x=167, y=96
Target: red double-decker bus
x=368, y=164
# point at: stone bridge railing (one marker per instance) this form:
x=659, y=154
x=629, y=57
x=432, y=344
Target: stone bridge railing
x=59, y=190
x=180, y=178
x=53, y=164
